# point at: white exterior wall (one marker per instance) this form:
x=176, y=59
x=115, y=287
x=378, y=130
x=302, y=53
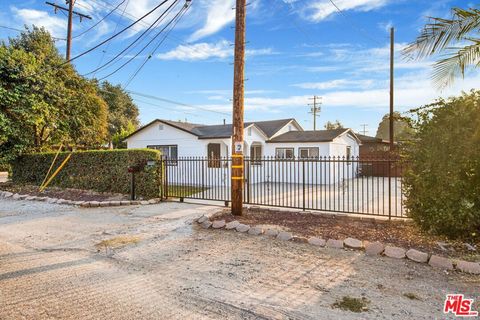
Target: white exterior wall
x=199, y=174
x=188, y=144
x=291, y=126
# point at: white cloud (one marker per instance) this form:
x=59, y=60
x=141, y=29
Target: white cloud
x=337, y=83
x=205, y=51
x=56, y=26
x=322, y=9
x=219, y=14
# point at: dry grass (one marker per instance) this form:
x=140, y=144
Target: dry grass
x=352, y=304
x=118, y=242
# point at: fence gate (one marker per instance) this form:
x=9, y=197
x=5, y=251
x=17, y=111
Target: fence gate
x=337, y=184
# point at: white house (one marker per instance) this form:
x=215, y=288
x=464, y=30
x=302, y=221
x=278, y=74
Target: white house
x=279, y=139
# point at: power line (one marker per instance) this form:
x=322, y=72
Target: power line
x=178, y=17
x=101, y=43
x=175, y=102
x=114, y=30
x=352, y=22
x=99, y=21
x=135, y=41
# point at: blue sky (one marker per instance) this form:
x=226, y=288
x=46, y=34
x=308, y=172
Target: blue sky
x=295, y=49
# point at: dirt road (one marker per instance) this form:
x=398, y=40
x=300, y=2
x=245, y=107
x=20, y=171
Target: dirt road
x=50, y=268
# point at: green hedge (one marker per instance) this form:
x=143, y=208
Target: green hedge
x=98, y=170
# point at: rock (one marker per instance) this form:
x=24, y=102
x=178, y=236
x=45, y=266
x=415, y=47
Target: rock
x=124, y=203
x=468, y=267
x=242, y=227
x=31, y=198
x=115, y=203
x=135, y=202
x=284, y=236
x=79, y=203
x=85, y=204
x=440, y=262
x=300, y=239
x=144, y=202
x=417, y=256
x=317, y=241
x=22, y=196
x=105, y=204
x=202, y=219
x=152, y=201
x=218, y=224
x=41, y=198
x=206, y=224
x=333, y=243
x=394, y=252
x=52, y=200
x=94, y=204
x=353, y=243
x=232, y=225
x=7, y=194
x=469, y=247
x=255, y=231
x=15, y=196
x=271, y=232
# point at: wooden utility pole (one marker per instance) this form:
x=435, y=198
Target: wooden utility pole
x=71, y=12
x=238, y=100
x=392, y=44
x=315, y=109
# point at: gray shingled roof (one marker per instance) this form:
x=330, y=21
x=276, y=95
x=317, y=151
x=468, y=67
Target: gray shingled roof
x=308, y=136
x=269, y=128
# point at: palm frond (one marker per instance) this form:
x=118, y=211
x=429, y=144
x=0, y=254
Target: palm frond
x=446, y=69
x=441, y=33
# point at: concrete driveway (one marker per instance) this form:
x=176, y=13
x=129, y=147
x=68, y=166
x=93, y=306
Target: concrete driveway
x=50, y=268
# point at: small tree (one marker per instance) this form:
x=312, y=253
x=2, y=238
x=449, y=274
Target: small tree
x=443, y=181
x=122, y=113
x=402, y=129
x=333, y=125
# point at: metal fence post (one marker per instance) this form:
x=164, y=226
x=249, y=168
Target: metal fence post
x=165, y=168
x=389, y=189
x=303, y=183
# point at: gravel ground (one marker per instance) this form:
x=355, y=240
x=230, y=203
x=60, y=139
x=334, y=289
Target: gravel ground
x=50, y=268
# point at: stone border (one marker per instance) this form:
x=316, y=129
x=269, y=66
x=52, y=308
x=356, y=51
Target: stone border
x=370, y=248
x=83, y=204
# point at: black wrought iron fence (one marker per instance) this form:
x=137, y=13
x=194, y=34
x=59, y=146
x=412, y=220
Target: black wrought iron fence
x=338, y=184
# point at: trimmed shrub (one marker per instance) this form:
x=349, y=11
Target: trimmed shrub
x=443, y=180
x=98, y=170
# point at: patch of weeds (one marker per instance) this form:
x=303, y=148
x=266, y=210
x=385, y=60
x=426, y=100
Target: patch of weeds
x=411, y=296
x=118, y=242
x=352, y=304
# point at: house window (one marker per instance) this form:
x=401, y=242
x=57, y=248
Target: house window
x=256, y=154
x=160, y=127
x=213, y=150
x=168, y=151
x=306, y=153
x=349, y=154
x=284, y=153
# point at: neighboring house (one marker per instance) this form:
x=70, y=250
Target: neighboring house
x=373, y=147
x=374, y=153
x=278, y=139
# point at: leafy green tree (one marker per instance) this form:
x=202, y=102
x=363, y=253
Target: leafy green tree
x=44, y=102
x=443, y=181
x=458, y=38
x=333, y=125
x=402, y=129
x=122, y=113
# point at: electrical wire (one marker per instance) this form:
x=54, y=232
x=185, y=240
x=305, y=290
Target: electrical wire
x=99, y=21
x=135, y=41
x=114, y=30
x=178, y=17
